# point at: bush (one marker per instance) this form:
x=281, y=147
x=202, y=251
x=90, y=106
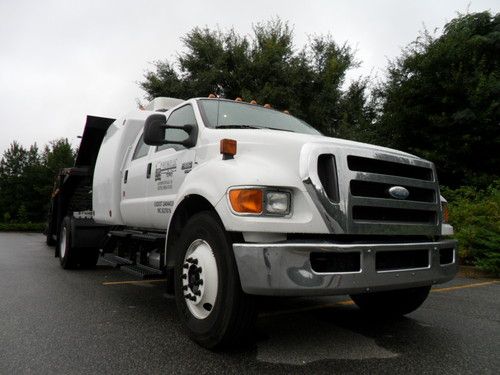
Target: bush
x=22, y=227
x=475, y=216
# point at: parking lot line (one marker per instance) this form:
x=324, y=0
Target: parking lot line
x=317, y=307
x=351, y=302
x=474, y=285
x=133, y=282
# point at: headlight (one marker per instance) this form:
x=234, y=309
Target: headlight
x=277, y=203
x=260, y=201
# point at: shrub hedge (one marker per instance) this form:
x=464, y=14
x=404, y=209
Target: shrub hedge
x=475, y=216
x=22, y=227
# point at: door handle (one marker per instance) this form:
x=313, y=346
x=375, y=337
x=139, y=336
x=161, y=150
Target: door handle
x=125, y=177
x=148, y=171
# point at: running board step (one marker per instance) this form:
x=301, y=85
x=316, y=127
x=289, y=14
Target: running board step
x=143, y=272
x=137, y=235
x=115, y=261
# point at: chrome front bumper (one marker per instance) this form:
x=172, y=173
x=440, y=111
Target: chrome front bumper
x=284, y=269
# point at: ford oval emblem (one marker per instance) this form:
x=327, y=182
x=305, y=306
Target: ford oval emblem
x=399, y=192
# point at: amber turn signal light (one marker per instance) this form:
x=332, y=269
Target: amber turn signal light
x=228, y=148
x=246, y=201
x=446, y=212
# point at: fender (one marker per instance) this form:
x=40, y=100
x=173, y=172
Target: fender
x=212, y=179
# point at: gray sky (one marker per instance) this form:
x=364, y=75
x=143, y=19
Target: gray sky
x=62, y=60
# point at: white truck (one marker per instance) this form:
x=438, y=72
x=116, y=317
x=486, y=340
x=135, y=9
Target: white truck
x=229, y=200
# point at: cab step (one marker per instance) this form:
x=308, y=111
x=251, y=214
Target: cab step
x=115, y=261
x=137, y=235
x=143, y=272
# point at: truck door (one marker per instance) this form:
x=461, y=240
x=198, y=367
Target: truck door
x=170, y=165
x=134, y=185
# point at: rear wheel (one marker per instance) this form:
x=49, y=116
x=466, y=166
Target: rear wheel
x=49, y=239
x=68, y=255
x=210, y=302
x=392, y=303
x=71, y=256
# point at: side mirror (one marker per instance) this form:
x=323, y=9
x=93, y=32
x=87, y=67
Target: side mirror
x=154, y=130
x=157, y=132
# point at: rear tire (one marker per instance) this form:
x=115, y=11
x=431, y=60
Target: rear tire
x=68, y=255
x=49, y=239
x=215, y=311
x=392, y=303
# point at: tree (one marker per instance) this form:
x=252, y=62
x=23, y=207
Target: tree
x=12, y=166
x=267, y=68
x=58, y=154
x=27, y=177
x=441, y=100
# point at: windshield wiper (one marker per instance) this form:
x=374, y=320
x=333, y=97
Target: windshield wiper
x=250, y=127
x=237, y=127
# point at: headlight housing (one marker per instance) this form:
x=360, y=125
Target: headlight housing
x=260, y=201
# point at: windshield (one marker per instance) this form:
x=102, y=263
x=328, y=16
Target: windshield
x=229, y=114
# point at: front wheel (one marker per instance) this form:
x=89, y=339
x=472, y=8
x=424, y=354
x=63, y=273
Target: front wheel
x=392, y=303
x=210, y=302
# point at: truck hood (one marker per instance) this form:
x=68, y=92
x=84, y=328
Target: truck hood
x=283, y=139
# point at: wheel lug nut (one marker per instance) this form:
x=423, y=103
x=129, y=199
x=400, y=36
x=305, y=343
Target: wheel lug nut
x=185, y=265
x=197, y=293
x=184, y=277
x=185, y=287
x=199, y=282
x=199, y=270
x=188, y=296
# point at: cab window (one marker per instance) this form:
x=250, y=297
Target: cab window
x=180, y=117
x=141, y=149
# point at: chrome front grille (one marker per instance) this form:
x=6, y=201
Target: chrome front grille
x=364, y=205
x=386, y=167
x=373, y=209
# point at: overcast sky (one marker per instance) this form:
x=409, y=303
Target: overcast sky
x=62, y=60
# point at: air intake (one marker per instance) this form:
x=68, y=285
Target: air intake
x=327, y=173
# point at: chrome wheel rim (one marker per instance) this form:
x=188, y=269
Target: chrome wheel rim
x=200, y=279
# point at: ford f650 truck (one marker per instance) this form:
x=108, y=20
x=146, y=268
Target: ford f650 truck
x=229, y=200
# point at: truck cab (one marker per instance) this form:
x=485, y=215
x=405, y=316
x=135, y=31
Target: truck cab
x=231, y=200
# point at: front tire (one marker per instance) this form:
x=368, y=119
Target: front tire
x=393, y=302
x=210, y=302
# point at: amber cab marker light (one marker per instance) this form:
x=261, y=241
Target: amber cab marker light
x=228, y=148
x=246, y=201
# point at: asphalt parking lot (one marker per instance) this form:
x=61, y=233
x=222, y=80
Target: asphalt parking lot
x=100, y=321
